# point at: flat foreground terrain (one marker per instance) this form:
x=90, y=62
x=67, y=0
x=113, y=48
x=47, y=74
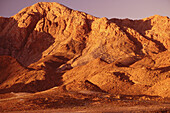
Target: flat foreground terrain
x=84, y=101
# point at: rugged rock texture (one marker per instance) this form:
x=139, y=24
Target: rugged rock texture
x=16, y=78
x=48, y=44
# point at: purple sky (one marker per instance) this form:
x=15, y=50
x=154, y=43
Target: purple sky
x=133, y=9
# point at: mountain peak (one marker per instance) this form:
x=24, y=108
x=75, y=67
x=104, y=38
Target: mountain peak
x=42, y=8
x=58, y=44
x=156, y=17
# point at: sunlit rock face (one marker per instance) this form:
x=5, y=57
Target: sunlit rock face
x=48, y=44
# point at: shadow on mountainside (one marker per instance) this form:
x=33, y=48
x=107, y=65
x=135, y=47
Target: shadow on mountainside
x=52, y=77
x=140, y=26
x=163, y=69
x=27, y=46
x=24, y=44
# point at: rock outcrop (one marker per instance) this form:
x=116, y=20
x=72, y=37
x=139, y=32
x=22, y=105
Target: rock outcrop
x=48, y=44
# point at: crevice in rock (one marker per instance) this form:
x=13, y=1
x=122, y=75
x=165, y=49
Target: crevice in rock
x=127, y=61
x=163, y=69
x=89, y=24
x=90, y=86
x=136, y=43
x=30, y=30
x=123, y=77
x=160, y=45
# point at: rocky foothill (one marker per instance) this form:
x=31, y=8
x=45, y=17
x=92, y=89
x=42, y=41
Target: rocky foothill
x=49, y=45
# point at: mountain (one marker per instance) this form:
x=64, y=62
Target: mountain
x=48, y=44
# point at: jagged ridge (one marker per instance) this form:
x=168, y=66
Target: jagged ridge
x=74, y=47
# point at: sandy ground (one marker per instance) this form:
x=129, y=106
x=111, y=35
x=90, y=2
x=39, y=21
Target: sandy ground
x=80, y=102
x=104, y=109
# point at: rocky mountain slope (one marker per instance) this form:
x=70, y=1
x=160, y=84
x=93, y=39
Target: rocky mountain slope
x=48, y=44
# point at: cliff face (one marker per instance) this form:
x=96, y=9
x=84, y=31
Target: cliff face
x=57, y=46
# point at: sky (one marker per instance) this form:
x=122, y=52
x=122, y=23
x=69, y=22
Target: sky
x=133, y=9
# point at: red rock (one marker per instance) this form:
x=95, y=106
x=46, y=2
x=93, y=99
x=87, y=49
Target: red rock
x=56, y=46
